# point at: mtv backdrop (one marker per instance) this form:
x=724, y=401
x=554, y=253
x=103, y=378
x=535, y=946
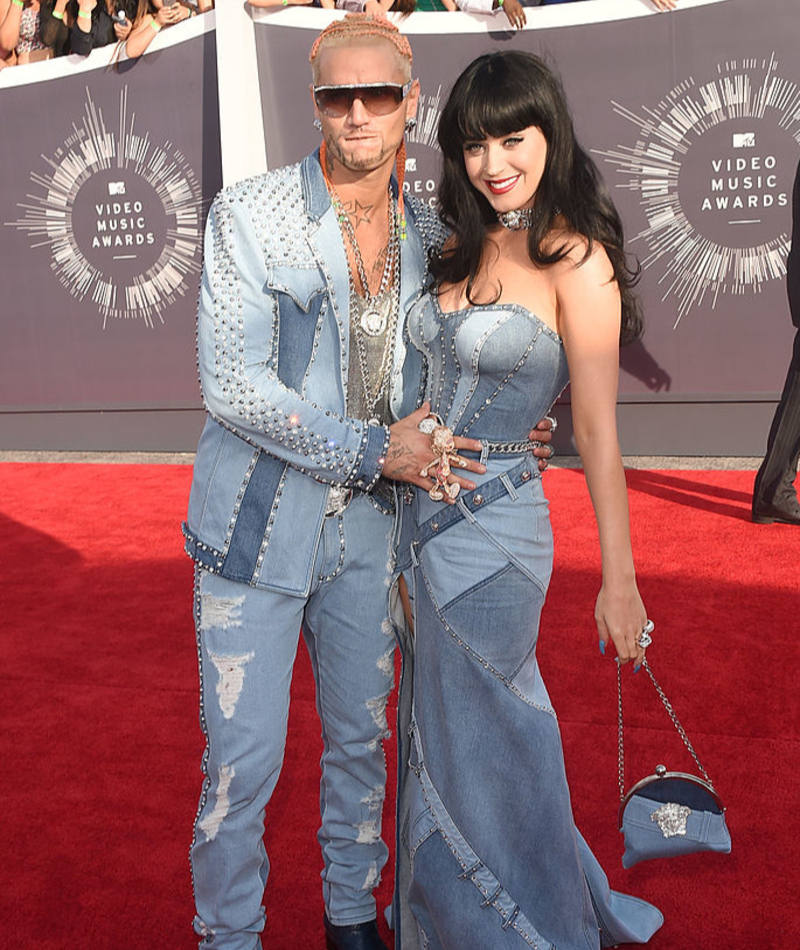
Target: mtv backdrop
x=694, y=120
x=108, y=172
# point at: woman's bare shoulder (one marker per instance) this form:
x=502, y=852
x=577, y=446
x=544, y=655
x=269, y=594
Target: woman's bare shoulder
x=585, y=263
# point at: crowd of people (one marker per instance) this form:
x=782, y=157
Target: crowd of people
x=33, y=30
x=512, y=10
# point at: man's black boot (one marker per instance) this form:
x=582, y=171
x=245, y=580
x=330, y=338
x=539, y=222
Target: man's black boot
x=353, y=936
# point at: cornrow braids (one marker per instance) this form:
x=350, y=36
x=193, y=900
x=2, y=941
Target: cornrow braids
x=363, y=24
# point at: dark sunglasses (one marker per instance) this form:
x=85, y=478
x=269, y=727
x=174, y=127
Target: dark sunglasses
x=379, y=98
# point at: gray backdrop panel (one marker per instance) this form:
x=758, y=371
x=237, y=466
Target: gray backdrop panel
x=103, y=205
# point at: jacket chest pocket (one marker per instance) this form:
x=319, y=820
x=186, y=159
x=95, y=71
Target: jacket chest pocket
x=300, y=297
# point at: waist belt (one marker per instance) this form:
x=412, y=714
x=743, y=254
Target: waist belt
x=510, y=448
x=523, y=447
x=340, y=497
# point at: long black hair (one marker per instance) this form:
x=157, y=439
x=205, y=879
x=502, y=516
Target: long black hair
x=499, y=94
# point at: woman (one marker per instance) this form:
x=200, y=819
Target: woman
x=530, y=290
x=21, y=32
x=95, y=23
x=155, y=15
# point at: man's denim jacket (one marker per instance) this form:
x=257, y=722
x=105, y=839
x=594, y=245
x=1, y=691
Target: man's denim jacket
x=273, y=341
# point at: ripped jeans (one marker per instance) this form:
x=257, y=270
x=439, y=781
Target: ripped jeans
x=247, y=641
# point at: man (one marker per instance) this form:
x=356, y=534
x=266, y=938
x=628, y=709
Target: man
x=308, y=273
x=774, y=495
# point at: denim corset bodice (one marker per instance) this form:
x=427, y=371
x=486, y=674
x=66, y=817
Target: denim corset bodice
x=491, y=371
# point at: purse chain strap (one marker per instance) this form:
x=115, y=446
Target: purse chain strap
x=672, y=715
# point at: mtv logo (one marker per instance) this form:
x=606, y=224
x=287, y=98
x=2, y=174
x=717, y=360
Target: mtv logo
x=116, y=187
x=744, y=139
x=411, y=164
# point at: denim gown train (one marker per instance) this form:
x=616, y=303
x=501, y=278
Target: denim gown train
x=489, y=856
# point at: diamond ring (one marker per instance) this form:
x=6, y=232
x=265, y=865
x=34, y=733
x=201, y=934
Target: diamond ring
x=644, y=639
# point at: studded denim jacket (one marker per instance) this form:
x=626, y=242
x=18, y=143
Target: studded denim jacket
x=272, y=346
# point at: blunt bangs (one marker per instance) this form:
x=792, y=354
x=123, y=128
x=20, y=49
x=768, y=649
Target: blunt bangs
x=504, y=94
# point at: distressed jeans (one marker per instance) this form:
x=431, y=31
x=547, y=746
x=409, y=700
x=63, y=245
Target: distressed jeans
x=247, y=642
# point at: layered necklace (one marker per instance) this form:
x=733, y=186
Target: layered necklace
x=373, y=317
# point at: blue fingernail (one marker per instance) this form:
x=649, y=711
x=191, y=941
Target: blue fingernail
x=603, y=647
x=637, y=668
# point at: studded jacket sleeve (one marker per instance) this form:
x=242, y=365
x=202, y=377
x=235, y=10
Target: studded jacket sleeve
x=240, y=384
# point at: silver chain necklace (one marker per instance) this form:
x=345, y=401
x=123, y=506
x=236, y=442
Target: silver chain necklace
x=375, y=312
x=386, y=305
x=375, y=382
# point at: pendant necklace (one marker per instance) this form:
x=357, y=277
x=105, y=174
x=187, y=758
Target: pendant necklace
x=376, y=307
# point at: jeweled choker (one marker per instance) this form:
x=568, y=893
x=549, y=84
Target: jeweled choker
x=518, y=220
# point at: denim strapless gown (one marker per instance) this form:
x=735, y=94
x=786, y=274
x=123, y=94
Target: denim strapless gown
x=489, y=856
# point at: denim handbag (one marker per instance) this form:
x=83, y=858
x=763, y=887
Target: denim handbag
x=667, y=814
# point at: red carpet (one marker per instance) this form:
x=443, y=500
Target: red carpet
x=99, y=733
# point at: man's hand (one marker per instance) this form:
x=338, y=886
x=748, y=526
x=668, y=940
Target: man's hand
x=410, y=452
x=515, y=12
x=543, y=432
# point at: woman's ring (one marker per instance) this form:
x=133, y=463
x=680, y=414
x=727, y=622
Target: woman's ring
x=644, y=639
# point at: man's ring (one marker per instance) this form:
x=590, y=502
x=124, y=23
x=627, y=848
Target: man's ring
x=429, y=423
x=553, y=424
x=644, y=639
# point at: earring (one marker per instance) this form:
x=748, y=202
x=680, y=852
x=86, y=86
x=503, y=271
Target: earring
x=411, y=124
x=318, y=125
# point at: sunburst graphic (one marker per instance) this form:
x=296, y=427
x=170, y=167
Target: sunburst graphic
x=423, y=157
x=121, y=216
x=429, y=108
x=713, y=167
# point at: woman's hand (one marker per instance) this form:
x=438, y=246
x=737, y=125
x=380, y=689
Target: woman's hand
x=123, y=30
x=85, y=22
x=663, y=5
x=621, y=617
x=166, y=16
x=375, y=9
x=515, y=13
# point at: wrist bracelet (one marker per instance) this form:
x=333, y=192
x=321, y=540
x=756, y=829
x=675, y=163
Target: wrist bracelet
x=156, y=26
x=57, y=16
x=500, y=4
x=18, y=3
x=83, y=15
